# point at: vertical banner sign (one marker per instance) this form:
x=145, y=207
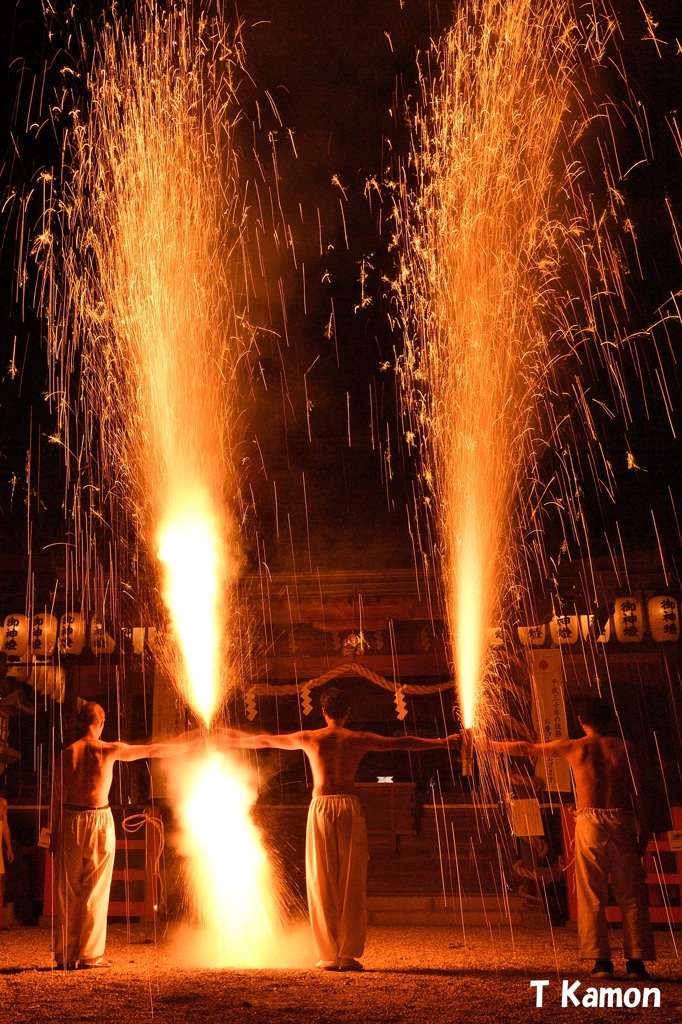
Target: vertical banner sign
x=549, y=717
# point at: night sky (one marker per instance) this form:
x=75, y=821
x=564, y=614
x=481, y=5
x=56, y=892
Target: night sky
x=338, y=72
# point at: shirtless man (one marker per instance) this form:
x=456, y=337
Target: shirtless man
x=7, y=839
x=336, y=834
x=83, y=838
x=608, y=842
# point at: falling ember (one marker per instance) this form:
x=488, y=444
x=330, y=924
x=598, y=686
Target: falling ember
x=152, y=316
x=485, y=231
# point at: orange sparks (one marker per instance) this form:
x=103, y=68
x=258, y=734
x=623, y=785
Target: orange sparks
x=153, y=311
x=484, y=234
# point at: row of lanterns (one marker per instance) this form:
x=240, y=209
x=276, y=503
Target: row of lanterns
x=43, y=634
x=28, y=641
x=626, y=622
x=22, y=637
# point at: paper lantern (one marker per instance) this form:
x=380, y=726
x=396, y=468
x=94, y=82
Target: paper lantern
x=532, y=636
x=495, y=636
x=15, y=643
x=71, y=636
x=44, y=628
x=588, y=627
x=100, y=641
x=157, y=639
x=139, y=639
x=48, y=679
x=628, y=622
x=564, y=629
x=664, y=618
x=17, y=669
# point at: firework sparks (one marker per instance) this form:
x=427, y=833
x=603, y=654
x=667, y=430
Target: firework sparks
x=152, y=318
x=488, y=218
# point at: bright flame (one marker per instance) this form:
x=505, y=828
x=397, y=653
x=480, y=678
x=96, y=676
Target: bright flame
x=189, y=548
x=231, y=876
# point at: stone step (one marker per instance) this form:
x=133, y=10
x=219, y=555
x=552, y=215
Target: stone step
x=457, y=912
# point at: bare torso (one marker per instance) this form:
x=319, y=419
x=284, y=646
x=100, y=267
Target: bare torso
x=602, y=771
x=87, y=768
x=334, y=754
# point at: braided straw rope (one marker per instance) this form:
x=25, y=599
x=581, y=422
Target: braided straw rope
x=352, y=668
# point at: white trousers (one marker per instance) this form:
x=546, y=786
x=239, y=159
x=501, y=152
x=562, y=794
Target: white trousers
x=606, y=847
x=336, y=876
x=84, y=866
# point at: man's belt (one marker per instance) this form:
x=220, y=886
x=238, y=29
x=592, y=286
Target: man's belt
x=77, y=807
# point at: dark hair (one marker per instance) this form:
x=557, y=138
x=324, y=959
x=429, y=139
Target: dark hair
x=594, y=711
x=335, y=703
x=89, y=714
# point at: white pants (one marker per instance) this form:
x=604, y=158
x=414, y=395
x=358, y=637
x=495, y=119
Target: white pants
x=606, y=846
x=336, y=876
x=84, y=865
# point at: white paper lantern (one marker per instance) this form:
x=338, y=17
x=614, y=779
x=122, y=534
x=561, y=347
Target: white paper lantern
x=495, y=636
x=100, y=641
x=71, y=637
x=157, y=639
x=587, y=628
x=15, y=643
x=17, y=669
x=44, y=628
x=628, y=621
x=564, y=629
x=139, y=639
x=532, y=636
x=664, y=618
x=48, y=679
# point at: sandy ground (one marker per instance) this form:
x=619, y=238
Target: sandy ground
x=425, y=975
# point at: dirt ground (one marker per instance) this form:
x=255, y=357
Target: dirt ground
x=416, y=974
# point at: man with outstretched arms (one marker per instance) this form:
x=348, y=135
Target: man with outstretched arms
x=336, y=834
x=83, y=839
x=611, y=834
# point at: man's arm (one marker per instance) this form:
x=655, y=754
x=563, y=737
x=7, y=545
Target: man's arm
x=137, y=751
x=6, y=835
x=378, y=743
x=258, y=740
x=522, y=748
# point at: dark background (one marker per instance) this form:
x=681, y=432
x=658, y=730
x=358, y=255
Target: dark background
x=338, y=72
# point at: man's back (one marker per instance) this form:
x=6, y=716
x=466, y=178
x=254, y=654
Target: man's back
x=334, y=754
x=87, y=772
x=333, y=751
x=602, y=771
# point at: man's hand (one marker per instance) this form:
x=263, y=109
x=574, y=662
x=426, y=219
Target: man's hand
x=10, y=854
